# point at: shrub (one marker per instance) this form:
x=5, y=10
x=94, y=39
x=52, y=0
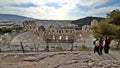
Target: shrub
x=59, y=48
x=47, y=48
x=83, y=48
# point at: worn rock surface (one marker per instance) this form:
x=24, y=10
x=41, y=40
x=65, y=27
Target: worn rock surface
x=76, y=59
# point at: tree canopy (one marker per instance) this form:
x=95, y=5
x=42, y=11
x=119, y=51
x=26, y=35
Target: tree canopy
x=9, y=29
x=109, y=26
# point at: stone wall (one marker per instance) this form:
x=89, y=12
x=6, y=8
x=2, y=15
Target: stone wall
x=32, y=26
x=56, y=34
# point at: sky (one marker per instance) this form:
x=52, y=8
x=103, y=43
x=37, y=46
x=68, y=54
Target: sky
x=58, y=9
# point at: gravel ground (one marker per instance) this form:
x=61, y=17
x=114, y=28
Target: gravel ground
x=75, y=59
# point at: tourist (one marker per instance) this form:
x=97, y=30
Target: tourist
x=100, y=46
x=96, y=45
x=106, y=44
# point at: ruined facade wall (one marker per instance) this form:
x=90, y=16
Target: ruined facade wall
x=31, y=26
x=54, y=34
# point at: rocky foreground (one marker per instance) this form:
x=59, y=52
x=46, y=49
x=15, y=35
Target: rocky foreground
x=76, y=59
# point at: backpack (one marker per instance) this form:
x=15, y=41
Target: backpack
x=94, y=42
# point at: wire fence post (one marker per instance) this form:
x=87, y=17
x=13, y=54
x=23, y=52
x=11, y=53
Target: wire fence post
x=72, y=46
x=0, y=50
x=22, y=47
x=47, y=47
x=10, y=48
x=35, y=47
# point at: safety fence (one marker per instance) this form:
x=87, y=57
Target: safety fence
x=82, y=44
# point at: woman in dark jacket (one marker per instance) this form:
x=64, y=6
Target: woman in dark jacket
x=106, y=45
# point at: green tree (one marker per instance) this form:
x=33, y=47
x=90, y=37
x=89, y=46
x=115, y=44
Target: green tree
x=109, y=27
x=42, y=28
x=10, y=29
x=114, y=17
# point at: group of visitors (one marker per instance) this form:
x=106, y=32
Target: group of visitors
x=101, y=43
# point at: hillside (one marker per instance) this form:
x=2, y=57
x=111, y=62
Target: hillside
x=13, y=17
x=86, y=20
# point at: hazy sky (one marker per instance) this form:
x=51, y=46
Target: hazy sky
x=58, y=9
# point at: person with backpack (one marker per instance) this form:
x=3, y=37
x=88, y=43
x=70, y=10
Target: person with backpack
x=106, y=44
x=96, y=45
